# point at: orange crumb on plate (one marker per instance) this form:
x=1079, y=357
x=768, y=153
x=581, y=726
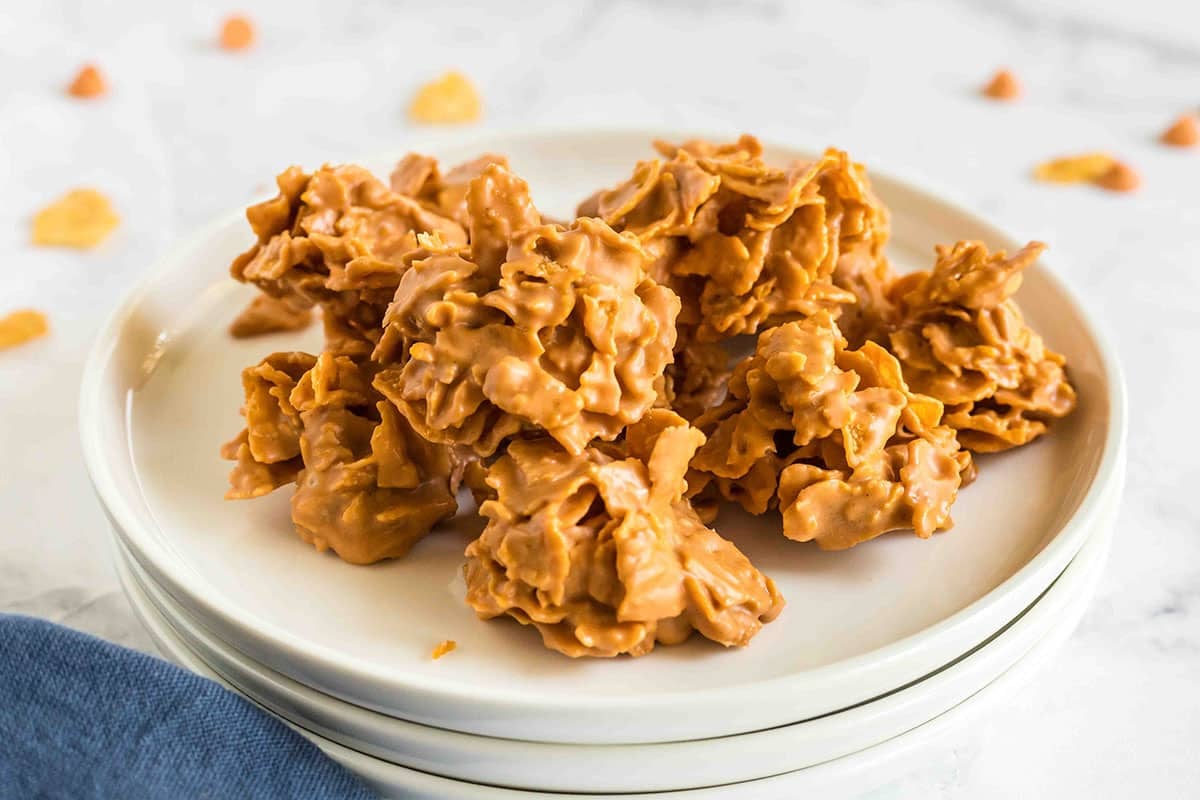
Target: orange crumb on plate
x=237, y=33
x=1184, y=132
x=1074, y=169
x=451, y=99
x=443, y=647
x=81, y=218
x=22, y=326
x=88, y=82
x=1003, y=86
x=1120, y=177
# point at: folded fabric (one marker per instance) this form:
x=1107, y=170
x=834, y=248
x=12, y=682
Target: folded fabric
x=83, y=718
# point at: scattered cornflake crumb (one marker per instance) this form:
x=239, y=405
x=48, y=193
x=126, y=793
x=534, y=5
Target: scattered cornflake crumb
x=81, y=218
x=445, y=646
x=451, y=99
x=1003, y=86
x=266, y=314
x=1120, y=177
x=88, y=83
x=237, y=33
x=1184, y=132
x=22, y=326
x=1074, y=169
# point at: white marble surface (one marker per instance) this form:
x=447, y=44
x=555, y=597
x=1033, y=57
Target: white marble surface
x=190, y=131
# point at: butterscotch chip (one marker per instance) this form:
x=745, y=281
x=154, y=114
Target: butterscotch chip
x=237, y=33
x=267, y=314
x=1120, y=177
x=443, y=647
x=88, y=82
x=1074, y=169
x=81, y=218
x=1184, y=132
x=1003, y=86
x=22, y=326
x=450, y=99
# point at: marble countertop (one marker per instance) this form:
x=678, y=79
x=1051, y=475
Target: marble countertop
x=190, y=131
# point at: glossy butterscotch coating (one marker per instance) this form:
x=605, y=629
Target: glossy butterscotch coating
x=530, y=328
x=833, y=437
x=602, y=554
x=367, y=487
x=746, y=244
x=336, y=238
x=962, y=339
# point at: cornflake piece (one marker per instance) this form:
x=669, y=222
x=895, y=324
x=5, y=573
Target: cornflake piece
x=450, y=99
x=600, y=552
x=82, y=218
x=22, y=326
x=443, y=647
x=237, y=33
x=88, y=83
x=962, y=339
x=266, y=314
x=1003, y=86
x=1075, y=169
x=1184, y=132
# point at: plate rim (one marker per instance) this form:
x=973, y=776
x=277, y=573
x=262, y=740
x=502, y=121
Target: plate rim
x=887, y=751
x=937, y=694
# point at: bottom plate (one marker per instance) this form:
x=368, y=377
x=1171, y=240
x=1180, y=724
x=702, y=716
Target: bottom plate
x=346, y=730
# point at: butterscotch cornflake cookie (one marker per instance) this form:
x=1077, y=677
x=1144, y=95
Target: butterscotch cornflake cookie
x=367, y=488
x=600, y=552
x=450, y=99
x=237, y=33
x=22, y=326
x=266, y=314
x=81, y=218
x=962, y=339
x=443, y=647
x=745, y=244
x=833, y=437
x=532, y=328
x=337, y=238
x=1184, y=132
x=87, y=83
x=1003, y=86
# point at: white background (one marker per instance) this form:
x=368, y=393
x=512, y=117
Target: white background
x=190, y=131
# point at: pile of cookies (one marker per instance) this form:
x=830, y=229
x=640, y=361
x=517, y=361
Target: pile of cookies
x=580, y=379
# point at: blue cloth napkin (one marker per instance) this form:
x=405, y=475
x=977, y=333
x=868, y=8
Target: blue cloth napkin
x=83, y=718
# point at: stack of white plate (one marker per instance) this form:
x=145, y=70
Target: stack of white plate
x=881, y=648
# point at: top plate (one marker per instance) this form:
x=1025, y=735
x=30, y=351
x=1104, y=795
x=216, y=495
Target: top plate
x=161, y=392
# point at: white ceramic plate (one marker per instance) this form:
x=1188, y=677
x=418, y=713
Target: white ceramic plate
x=161, y=391
x=847, y=776
x=636, y=768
